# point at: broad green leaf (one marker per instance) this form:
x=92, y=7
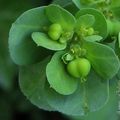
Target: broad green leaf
x=56, y=14
x=22, y=48
x=58, y=77
x=100, y=24
x=32, y=83
x=94, y=95
x=103, y=59
x=93, y=38
x=41, y=39
x=86, y=20
x=107, y=112
x=86, y=3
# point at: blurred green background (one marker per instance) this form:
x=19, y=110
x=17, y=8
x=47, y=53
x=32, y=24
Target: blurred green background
x=13, y=105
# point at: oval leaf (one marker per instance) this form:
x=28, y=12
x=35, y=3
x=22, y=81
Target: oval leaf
x=22, y=49
x=93, y=38
x=43, y=40
x=58, y=77
x=107, y=112
x=32, y=79
x=56, y=14
x=100, y=24
x=86, y=20
x=103, y=59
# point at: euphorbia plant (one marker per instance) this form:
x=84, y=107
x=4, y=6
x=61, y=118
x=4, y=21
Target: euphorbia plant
x=62, y=58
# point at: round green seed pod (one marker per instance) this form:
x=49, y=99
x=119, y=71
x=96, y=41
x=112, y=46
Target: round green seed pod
x=72, y=69
x=79, y=67
x=90, y=31
x=54, y=35
x=84, y=67
x=55, y=31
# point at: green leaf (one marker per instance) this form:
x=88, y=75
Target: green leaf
x=100, y=24
x=103, y=59
x=41, y=39
x=62, y=3
x=119, y=39
x=114, y=3
x=74, y=104
x=22, y=49
x=107, y=112
x=77, y=3
x=88, y=3
x=93, y=38
x=85, y=3
x=58, y=77
x=86, y=20
x=116, y=12
x=56, y=14
x=32, y=83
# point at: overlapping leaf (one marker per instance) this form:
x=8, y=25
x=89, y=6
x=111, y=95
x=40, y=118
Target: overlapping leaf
x=42, y=39
x=85, y=96
x=56, y=14
x=58, y=77
x=86, y=20
x=100, y=24
x=103, y=59
x=109, y=110
x=22, y=49
x=32, y=83
x=93, y=38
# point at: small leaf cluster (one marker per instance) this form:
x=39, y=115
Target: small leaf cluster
x=64, y=58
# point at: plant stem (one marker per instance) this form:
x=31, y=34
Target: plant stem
x=113, y=27
x=85, y=102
